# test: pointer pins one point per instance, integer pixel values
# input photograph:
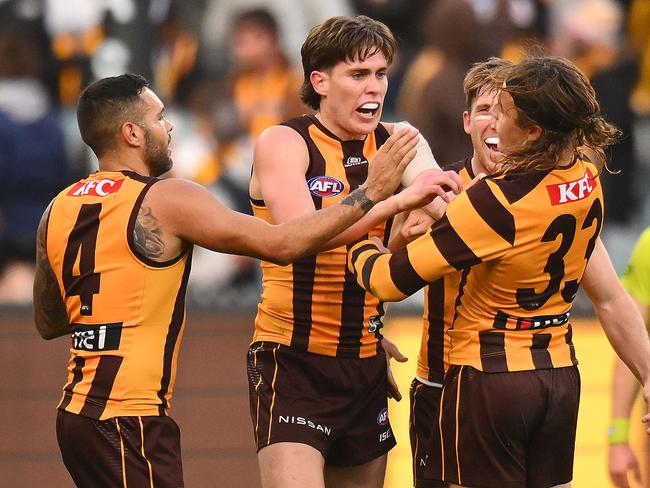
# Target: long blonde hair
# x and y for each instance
(552, 93)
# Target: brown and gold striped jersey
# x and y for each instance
(127, 312)
(525, 239)
(440, 302)
(315, 304)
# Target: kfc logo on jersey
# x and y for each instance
(325, 186)
(573, 190)
(97, 188)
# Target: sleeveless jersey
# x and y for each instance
(440, 302)
(636, 278)
(315, 304)
(524, 240)
(127, 312)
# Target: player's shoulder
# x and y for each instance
(280, 146)
(456, 166)
(279, 135)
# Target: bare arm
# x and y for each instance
(619, 316)
(50, 315)
(188, 212)
(280, 163)
(625, 387)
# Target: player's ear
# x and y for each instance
(132, 134)
(466, 122)
(534, 133)
(320, 82)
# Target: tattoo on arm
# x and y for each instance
(359, 195)
(147, 234)
(50, 314)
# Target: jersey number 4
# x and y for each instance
(82, 243)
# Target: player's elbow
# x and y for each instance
(45, 332)
(285, 254)
(386, 295)
(49, 328)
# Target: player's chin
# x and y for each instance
(366, 126)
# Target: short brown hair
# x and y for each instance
(105, 105)
(342, 39)
(480, 76)
(552, 93)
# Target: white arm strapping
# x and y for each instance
(422, 161)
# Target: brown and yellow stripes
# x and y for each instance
(478, 217)
(446, 442)
(172, 341)
(263, 410)
(315, 304)
(149, 451)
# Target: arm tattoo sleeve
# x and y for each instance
(359, 195)
(50, 315)
(147, 234)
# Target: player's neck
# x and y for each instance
(336, 128)
(567, 158)
(120, 161)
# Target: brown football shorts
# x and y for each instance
(425, 406)
(336, 405)
(506, 430)
(138, 452)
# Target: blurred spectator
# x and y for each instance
(260, 89)
(174, 61)
(515, 26)
(400, 16)
(639, 34)
(431, 96)
(32, 161)
(591, 35)
(294, 17)
(263, 84)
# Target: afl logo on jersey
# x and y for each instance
(325, 186)
(97, 188)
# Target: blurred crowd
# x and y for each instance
(228, 69)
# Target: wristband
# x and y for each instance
(618, 431)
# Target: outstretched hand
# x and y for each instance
(417, 223)
(428, 185)
(392, 352)
(388, 164)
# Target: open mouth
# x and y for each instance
(492, 143)
(368, 109)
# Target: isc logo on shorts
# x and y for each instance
(325, 186)
(97, 188)
(572, 191)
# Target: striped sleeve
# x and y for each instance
(478, 227)
(371, 270)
